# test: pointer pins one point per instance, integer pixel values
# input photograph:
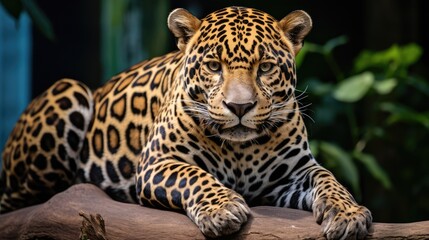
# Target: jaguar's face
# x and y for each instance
(241, 93)
(239, 72)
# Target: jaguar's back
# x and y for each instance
(124, 111)
(68, 135)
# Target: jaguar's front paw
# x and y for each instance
(224, 217)
(342, 220)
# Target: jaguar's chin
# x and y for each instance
(239, 133)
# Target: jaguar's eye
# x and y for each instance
(214, 66)
(265, 67)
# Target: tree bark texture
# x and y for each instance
(63, 216)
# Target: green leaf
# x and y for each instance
(374, 168)
(391, 58)
(39, 18)
(354, 88)
(333, 43)
(13, 7)
(342, 162)
(314, 147)
(299, 58)
(307, 48)
(385, 86)
(419, 83)
(399, 113)
(410, 54)
(316, 87)
(325, 49)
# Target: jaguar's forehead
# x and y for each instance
(238, 13)
(244, 34)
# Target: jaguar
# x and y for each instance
(208, 130)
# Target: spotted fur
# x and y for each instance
(208, 130)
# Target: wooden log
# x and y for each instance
(59, 219)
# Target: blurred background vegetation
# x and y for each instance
(363, 75)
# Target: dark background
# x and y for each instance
(368, 24)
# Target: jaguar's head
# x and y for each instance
(239, 68)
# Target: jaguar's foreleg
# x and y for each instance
(168, 183)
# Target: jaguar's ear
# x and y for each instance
(296, 25)
(183, 25)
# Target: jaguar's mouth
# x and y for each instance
(239, 133)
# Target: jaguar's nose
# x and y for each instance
(240, 109)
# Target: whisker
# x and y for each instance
(265, 129)
(223, 142)
(308, 116)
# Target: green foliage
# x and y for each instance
(399, 113)
(373, 167)
(340, 162)
(129, 33)
(364, 107)
(354, 88)
(39, 19)
(394, 60)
